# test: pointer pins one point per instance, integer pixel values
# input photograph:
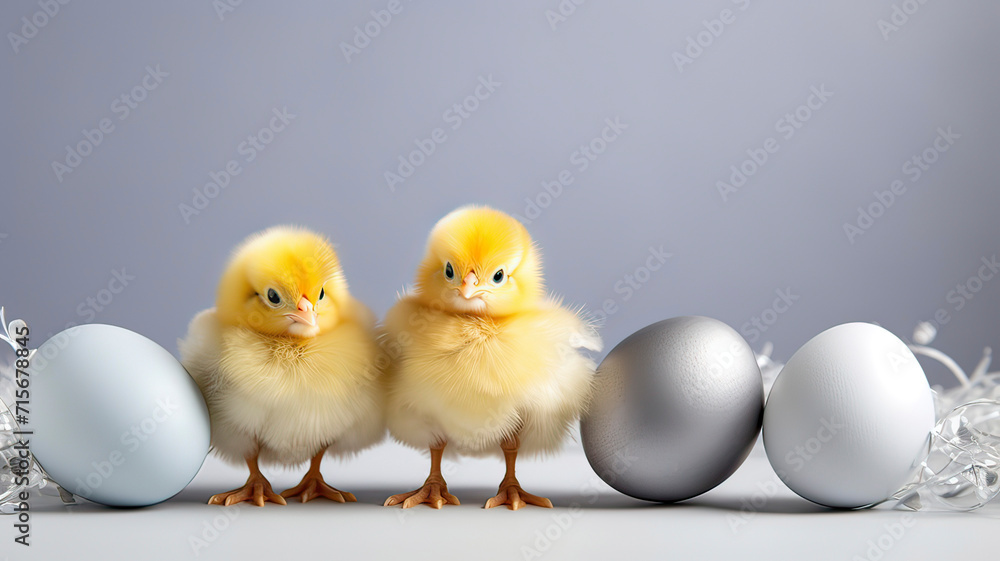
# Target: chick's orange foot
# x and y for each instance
(257, 491)
(313, 486)
(512, 495)
(434, 493)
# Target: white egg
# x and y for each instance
(848, 416)
(116, 418)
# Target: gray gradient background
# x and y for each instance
(653, 187)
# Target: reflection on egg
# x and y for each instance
(847, 416)
(677, 407)
(116, 418)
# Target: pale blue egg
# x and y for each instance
(116, 418)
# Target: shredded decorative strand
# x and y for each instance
(959, 470)
(12, 466)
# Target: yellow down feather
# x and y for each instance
(276, 387)
(469, 374)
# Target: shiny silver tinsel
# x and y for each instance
(12, 466)
(960, 467)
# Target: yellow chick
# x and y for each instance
(479, 358)
(286, 361)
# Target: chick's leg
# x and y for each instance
(312, 486)
(434, 491)
(510, 492)
(256, 490)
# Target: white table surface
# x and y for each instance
(589, 521)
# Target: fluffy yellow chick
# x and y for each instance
(286, 361)
(479, 358)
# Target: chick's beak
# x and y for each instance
(469, 284)
(304, 314)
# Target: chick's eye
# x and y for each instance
(449, 271)
(272, 296)
(322, 293)
(498, 276)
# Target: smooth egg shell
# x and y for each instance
(847, 416)
(116, 418)
(677, 407)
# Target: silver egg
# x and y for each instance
(677, 407)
